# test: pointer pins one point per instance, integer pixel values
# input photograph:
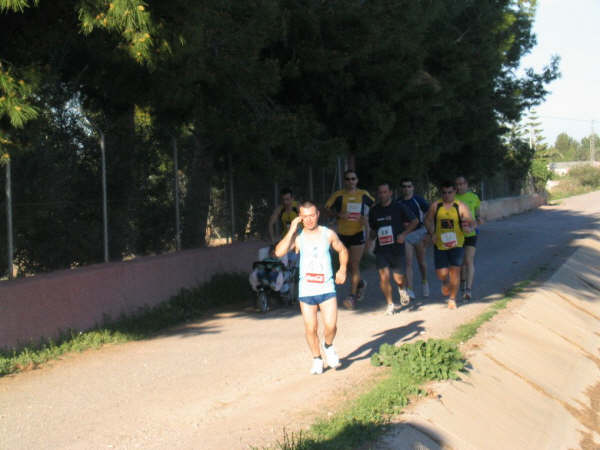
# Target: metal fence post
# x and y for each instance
(311, 190)
(9, 220)
(231, 196)
(339, 172)
(275, 203)
(104, 196)
(176, 188)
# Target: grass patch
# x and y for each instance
(189, 304)
(411, 366)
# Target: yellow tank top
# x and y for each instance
(447, 227)
(354, 205)
(286, 217)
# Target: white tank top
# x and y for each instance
(316, 273)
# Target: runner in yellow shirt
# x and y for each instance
(472, 201)
(446, 222)
(351, 208)
(287, 211)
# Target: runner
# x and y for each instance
(445, 222)
(316, 287)
(472, 201)
(416, 241)
(387, 220)
(284, 213)
(351, 207)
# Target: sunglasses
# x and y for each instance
(350, 179)
(406, 186)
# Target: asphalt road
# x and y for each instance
(237, 378)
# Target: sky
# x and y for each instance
(568, 29)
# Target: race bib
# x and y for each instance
(449, 239)
(353, 210)
(315, 272)
(315, 278)
(385, 235)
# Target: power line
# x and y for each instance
(567, 118)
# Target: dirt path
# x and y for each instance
(237, 379)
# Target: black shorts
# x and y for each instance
(389, 256)
(453, 257)
(350, 240)
(470, 241)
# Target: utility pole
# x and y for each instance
(592, 149)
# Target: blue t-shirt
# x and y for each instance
(419, 207)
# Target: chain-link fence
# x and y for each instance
(60, 224)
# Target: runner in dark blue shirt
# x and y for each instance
(390, 223)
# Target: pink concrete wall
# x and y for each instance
(507, 206)
(41, 306)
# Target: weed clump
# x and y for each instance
(433, 359)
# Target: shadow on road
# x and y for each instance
(391, 336)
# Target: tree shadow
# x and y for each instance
(402, 436)
(390, 336)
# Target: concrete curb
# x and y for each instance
(534, 384)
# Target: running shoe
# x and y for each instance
(331, 355)
(390, 310)
(350, 302)
(467, 295)
(361, 289)
(411, 294)
(451, 304)
(317, 366)
(404, 296)
(425, 286)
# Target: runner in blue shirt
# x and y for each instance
(416, 242)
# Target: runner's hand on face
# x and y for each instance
(295, 222)
(340, 277)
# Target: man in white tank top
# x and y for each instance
(317, 281)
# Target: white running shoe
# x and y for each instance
(404, 297)
(425, 289)
(411, 294)
(333, 360)
(317, 366)
(390, 310)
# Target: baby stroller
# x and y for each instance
(274, 278)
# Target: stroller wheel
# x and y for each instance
(262, 302)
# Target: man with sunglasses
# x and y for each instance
(447, 221)
(417, 239)
(351, 208)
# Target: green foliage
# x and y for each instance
(579, 180)
(272, 86)
(540, 173)
(433, 359)
(586, 176)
